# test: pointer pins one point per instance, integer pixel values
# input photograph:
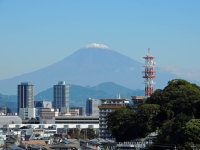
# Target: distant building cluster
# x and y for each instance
(28, 109)
(37, 121)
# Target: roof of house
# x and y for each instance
(35, 142)
(15, 148)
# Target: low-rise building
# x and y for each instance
(47, 115)
(27, 113)
(136, 101)
(41, 104)
(5, 120)
(78, 121)
(74, 111)
(3, 110)
(77, 111)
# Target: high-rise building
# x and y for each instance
(61, 97)
(108, 105)
(26, 100)
(92, 107)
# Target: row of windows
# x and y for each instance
(71, 122)
(77, 119)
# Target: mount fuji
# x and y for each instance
(88, 66)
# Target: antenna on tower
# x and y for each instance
(148, 54)
(118, 96)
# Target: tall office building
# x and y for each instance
(26, 100)
(92, 107)
(61, 97)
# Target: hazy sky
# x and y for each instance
(37, 33)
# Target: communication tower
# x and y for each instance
(149, 73)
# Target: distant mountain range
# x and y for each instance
(78, 94)
(88, 67)
(9, 100)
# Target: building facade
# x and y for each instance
(47, 115)
(3, 110)
(77, 111)
(108, 105)
(26, 100)
(42, 104)
(61, 97)
(5, 120)
(136, 101)
(78, 121)
(92, 107)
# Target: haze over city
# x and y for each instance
(107, 74)
(36, 34)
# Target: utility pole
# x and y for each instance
(193, 147)
(175, 147)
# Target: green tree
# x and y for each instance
(192, 133)
(179, 103)
(88, 133)
(119, 123)
(125, 124)
(170, 111)
(146, 119)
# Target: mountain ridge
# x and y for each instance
(79, 94)
(88, 67)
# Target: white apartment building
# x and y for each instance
(108, 105)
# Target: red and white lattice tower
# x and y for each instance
(149, 73)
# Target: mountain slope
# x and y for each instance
(88, 66)
(113, 89)
(9, 100)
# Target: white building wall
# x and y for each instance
(33, 126)
(27, 113)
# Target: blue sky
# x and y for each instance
(35, 33)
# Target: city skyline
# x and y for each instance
(36, 34)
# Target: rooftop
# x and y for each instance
(35, 142)
(110, 106)
(115, 99)
(10, 120)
